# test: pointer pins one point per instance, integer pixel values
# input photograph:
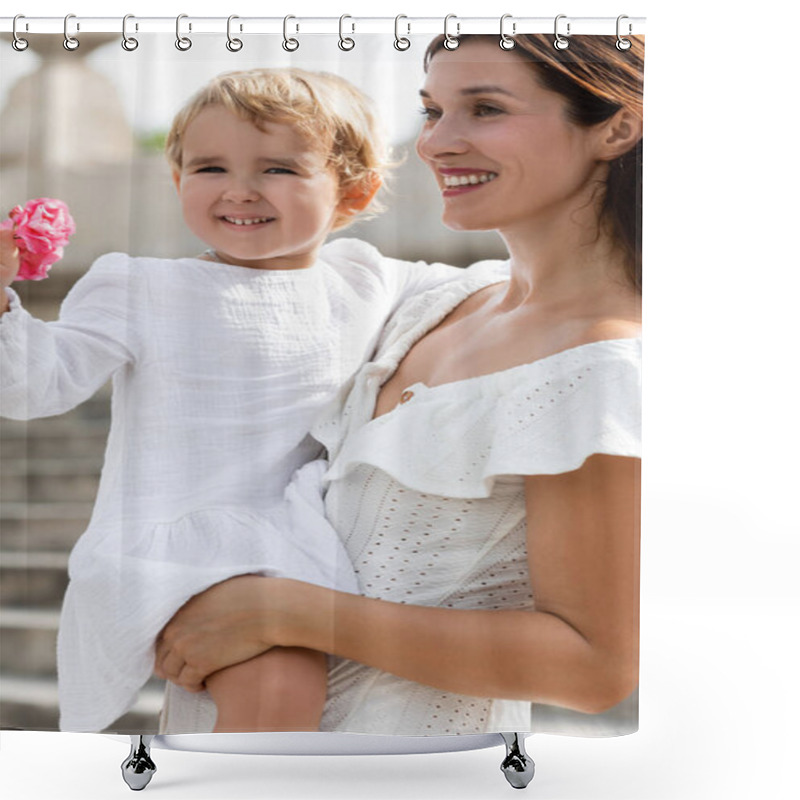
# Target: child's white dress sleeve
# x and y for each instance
(165, 525)
(47, 368)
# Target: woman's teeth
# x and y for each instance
(254, 221)
(465, 180)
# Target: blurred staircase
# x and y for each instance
(49, 471)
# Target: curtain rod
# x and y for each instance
(431, 26)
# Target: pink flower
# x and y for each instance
(41, 229)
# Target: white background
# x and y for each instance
(721, 607)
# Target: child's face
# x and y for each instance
(260, 199)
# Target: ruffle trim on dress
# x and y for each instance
(354, 404)
(542, 418)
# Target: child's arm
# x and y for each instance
(47, 368)
(416, 277)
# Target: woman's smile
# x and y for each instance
(487, 117)
(458, 181)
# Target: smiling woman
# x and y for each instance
(484, 467)
(544, 121)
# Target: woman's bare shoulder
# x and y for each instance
(615, 328)
(600, 329)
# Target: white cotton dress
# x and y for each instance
(218, 372)
(429, 502)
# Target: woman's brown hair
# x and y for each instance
(597, 80)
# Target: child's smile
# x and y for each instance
(264, 199)
(247, 221)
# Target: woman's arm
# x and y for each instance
(578, 649)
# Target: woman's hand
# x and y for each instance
(232, 622)
(9, 265)
(229, 623)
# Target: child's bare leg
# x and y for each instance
(283, 689)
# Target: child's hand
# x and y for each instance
(9, 258)
(9, 264)
(41, 230)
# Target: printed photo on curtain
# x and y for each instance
(320, 384)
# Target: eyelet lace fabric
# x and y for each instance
(429, 501)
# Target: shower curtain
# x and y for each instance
(87, 125)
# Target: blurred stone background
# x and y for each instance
(82, 127)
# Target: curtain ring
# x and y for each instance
(506, 42)
(623, 44)
(18, 43)
(345, 42)
(129, 43)
(70, 42)
(289, 44)
(182, 42)
(560, 43)
(450, 41)
(401, 42)
(234, 45)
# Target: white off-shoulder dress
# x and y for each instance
(218, 372)
(428, 500)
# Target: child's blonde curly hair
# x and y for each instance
(327, 111)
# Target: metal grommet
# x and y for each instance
(623, 44)
(290, 44)
(70, 42)
(450, 41)
(18, 43)
(560, 42)
(129, 43)
(345, 42)
(401, 42)
(506, 42)
(182, 42)
(234, 45)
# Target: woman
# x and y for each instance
(485, 467)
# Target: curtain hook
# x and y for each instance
(129, 43)
(506, 42)
(401, 42)
(289, 44)
(18, 43)
(70, 42)
(345, 42)
(560, 43)
(450, 41)
(623, 44)
(182, 42)
(234, 45)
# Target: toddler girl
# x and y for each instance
(219, 364)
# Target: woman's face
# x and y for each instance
(500, 145)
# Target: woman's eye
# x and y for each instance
(430, 113)
(486, 110)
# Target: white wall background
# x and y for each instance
(721, 607)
